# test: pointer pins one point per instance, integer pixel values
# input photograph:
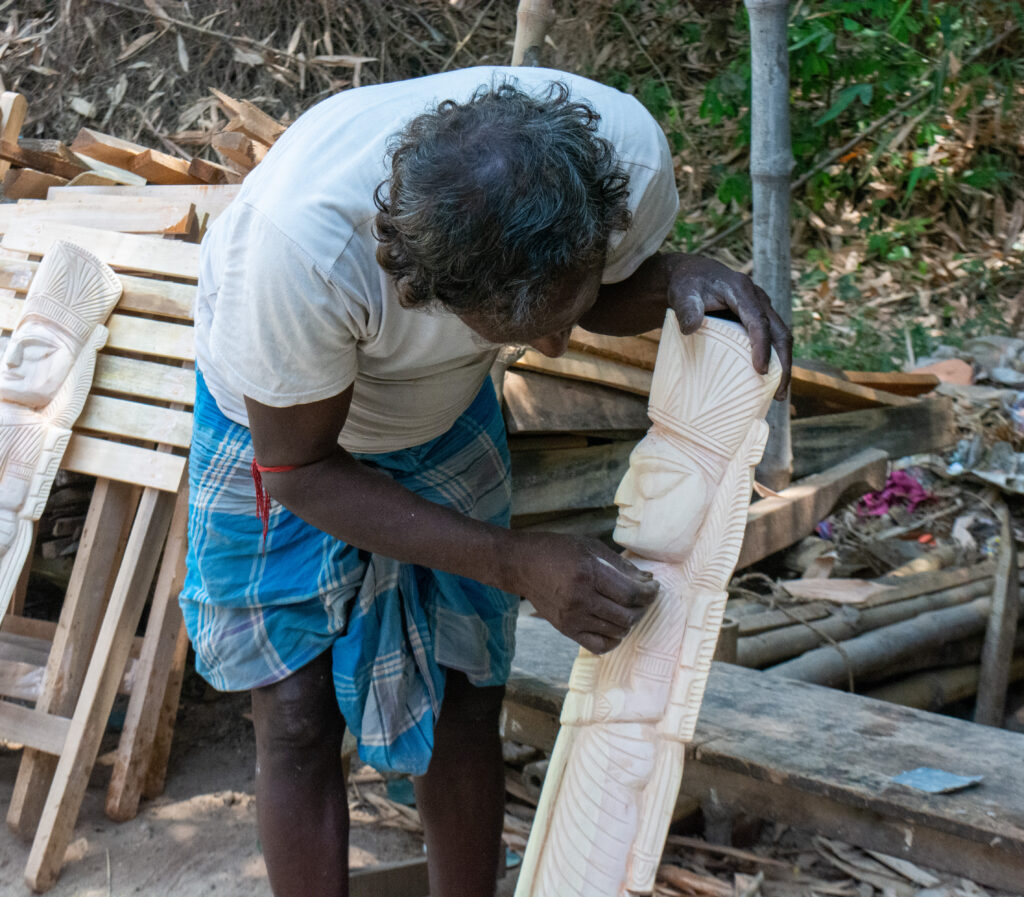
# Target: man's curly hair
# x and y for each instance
(491, 200)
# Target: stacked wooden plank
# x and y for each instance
(30, 167)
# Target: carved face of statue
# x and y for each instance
(662, 500)
(37, 360)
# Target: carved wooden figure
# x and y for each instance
(614, 775)
(45, 375)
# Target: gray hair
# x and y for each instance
(490, 201)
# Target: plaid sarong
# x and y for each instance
(257, 615)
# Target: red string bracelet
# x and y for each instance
(262, 495)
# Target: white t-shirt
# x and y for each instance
(292, 306)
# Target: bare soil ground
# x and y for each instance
(199, 837)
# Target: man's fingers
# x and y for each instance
(596, 644)
(626, 585)
(689, 308)
(615, 619)
(782, 340)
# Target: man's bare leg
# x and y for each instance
(461, 798)
(301, 797)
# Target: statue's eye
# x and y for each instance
(657, 482)
(37, 349)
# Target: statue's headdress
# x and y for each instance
(708, 397)
(72, 288)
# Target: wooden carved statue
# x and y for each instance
(614, 775)
(45, 375)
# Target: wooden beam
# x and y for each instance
(160, 168)
(777, 523)
(580, 366)
(125, 214)
(27, 183)
(897, 382)
(535, 403)
(212, 173)
(126, 463)
(250, 120)
(632, 350)
(26, 158)
(567, 479)
(13, 109)
(105, 148)
(925, 425)
(209, 199)
(1001, 631)
(840, 393)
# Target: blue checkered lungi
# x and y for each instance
(256, 615)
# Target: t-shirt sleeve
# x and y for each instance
(283, 332)
(654, 204)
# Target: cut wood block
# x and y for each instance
(632, 350)
(13, 110)
(105, 148)
(239, 149)
(212, 173)
(140, 294)
(27, 183)
(91, 179)
(44, 162)
(777, 523)
(123, 463)
(912, 384)
(924, 425)
(119, 417)
(108, 172)
(252, 121)
(579, 366)
(209, 199)
(841, 394)
(160, 168)
(126, 214)
(535, 403)
(145, 379)
(568, 479)
(53, 149)
(130, 252)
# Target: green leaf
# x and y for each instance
(846, 96)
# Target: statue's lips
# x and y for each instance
(626, 520)
(12, 375)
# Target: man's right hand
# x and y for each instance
(583, 588)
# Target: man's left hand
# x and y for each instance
(698, 285)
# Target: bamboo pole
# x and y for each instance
(533, 19)
(935, 689)
(837, 664)
(997, 653)
(771, 161)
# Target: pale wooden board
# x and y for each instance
(13, 108)
(119, 417)
(631, 350)
(126, 214)
(209, 199)
(105, 147)
(161, 168)
(537, 403)
(27, 183)
(839, 392)
(131, 252)
(580, 366)
(21, 725)
(124, 463)
(141, 294)
(145, 379)
(127, 333)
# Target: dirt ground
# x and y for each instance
(199, 837)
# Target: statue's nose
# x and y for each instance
(13, 355)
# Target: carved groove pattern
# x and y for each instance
(614, 775)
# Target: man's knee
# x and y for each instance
(298, 713)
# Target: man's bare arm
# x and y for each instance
(587, 591)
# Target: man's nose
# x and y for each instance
(552, 345)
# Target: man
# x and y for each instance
(351, 302)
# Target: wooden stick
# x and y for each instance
(533, 20)
(13, 110)
(997, 653)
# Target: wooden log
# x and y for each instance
(777, 523)
(781, 644)
(105, 148)
(935, 689)
(895, 382)
(997, 654)
(13, 109)
(926, 425)
(27, 183)
(44, 162)
(239, 149)
(160, 168)
(867, 653)
(535, 403)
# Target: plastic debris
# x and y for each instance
(935, 781)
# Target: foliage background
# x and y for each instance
(907, 121)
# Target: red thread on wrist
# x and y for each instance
(263, 496)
